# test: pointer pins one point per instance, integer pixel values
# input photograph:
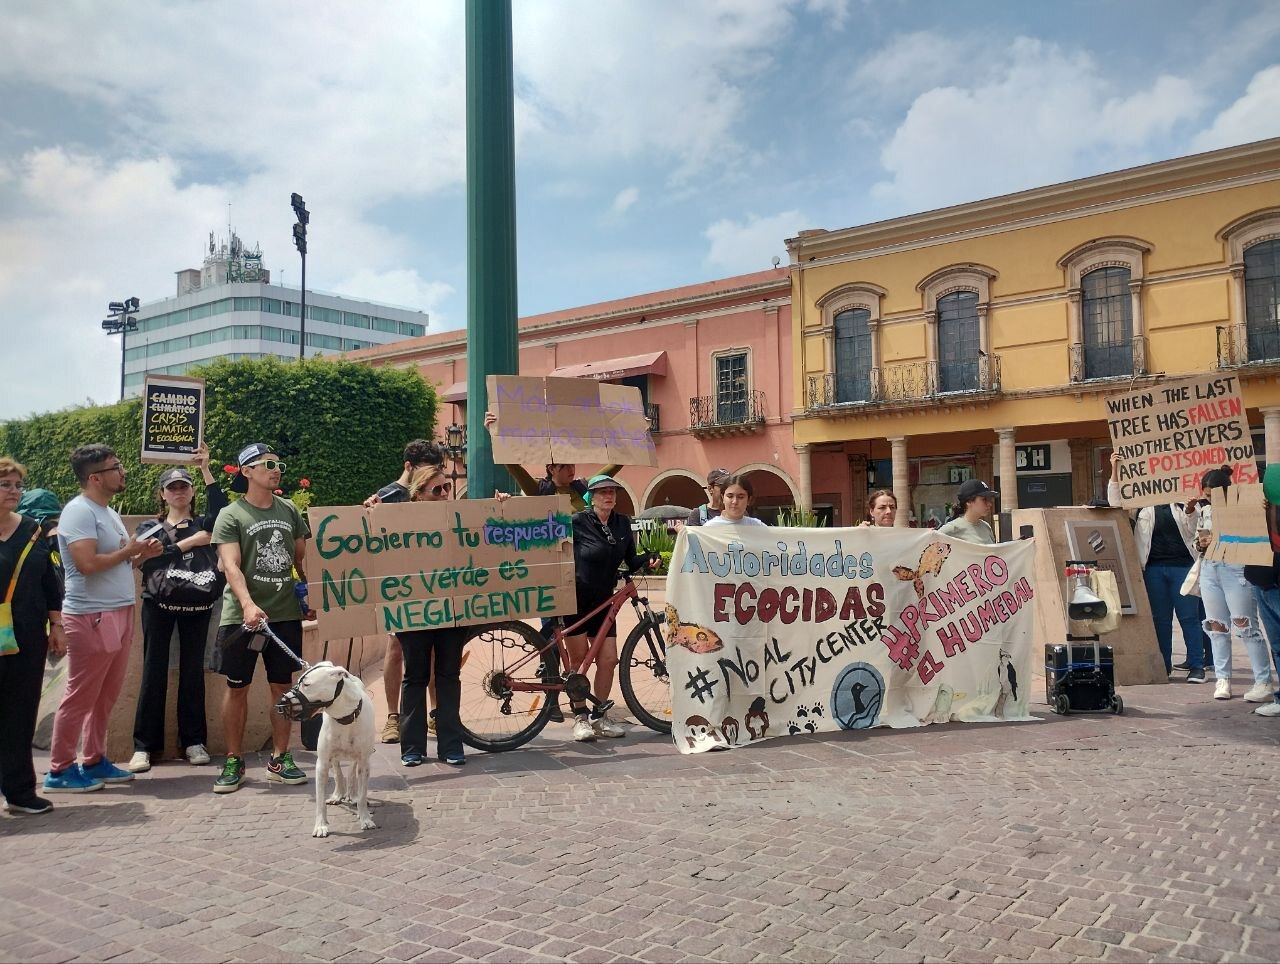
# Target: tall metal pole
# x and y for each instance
(123, 332)
(492, 346)
(302, 318)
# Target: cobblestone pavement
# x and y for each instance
(1147, 836)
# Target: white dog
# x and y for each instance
(346, 736)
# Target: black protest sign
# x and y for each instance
(172, 418)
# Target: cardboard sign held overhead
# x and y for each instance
(1168, 435)
(172, 418)
(1240, 526)
(430, 565)
(568, 420)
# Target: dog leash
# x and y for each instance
(265, 629)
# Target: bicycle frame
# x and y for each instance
(628, 593)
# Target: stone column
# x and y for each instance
(804, 471)
(1008, 462)
(1271, 432)
(1081, 481)
(901, 481)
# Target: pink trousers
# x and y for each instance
(97, 656)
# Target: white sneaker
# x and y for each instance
(140, 762)
(197, 755)
(605, 727)
(1259, 693)
(583, 731)
(1222, 689)
(1269, 709)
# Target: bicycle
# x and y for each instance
(508, 705)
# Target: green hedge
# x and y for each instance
(340, 425)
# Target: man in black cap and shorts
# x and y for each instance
(261, 538)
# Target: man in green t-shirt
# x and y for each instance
(261, 539)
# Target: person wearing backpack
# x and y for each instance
(717, 479)
(179, 589)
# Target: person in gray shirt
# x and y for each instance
(977, 502)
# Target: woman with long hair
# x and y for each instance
(181, 531)
(1229, 606)
(736, 496)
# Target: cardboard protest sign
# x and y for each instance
(1168, 435)
(428, 565)
(776, 632)
(1240, 526)
(172, 418)
(568, 420)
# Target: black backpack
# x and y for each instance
(184, 582)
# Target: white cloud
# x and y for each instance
(1254, 116)
(912, 63)
(740, 247)
(403, 288)
(1044, 115)
(623, 201)
(836, 12)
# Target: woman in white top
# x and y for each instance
(737, 495)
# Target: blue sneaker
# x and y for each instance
(70, 780)
(454, 760)
(107, 772)
(411, 758)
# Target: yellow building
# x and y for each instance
(982, 339)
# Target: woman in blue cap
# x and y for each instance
(602, 541)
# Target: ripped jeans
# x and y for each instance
(1229, 602)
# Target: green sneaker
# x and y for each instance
(282, 769)
(231, 777)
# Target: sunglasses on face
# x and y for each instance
(441, 489)
(269, 464)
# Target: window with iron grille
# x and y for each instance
(731, 388)
(958, 341)
(853, 355)
(1262, 299)
(1106, 319)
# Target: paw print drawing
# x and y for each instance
(805, 713)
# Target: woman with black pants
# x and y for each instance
(431, 650)
(36, 605)
(183, 531)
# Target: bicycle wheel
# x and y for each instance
(642, 667)
(494, 716)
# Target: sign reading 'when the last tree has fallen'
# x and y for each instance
(1168, 435)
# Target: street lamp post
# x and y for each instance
(456, 445)
(300, 242)
(121, 323)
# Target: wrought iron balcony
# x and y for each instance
(912, 381)
(651, 413)
(1123, 359)
(1237, 345)
(714, 415)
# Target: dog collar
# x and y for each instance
(352, 716)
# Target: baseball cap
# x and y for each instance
(718, 477)
(175, 475)
(974, 488)
(248, 455)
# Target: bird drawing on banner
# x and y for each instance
(930, 564)
(1008, 680)
(694, 638)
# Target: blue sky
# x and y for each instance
(658, 143)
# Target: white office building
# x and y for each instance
(229, 309)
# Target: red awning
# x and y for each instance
(612, 368)
(457, 392)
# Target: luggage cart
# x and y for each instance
(1080, 673)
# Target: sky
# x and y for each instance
(657, 143)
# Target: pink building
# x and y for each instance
(712, 361)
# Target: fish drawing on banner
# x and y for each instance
(930, 564)
(696, 639)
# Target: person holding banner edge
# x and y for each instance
(261, 540)
(1166, 540)
(882, 509)
(1229, 605)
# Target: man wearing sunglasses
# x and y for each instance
(98, 558)
(261, 539)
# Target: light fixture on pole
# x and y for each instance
(121, 322)
(456, 445)
(300, 242)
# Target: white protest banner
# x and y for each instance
(428, 565)
(568, 420)
(172, 418)
(776, 632)
(1168, 435)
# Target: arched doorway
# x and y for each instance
(773, 491)
(675, 487)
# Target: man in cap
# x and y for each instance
(716, 480)
(977, 502)
(261, 538)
